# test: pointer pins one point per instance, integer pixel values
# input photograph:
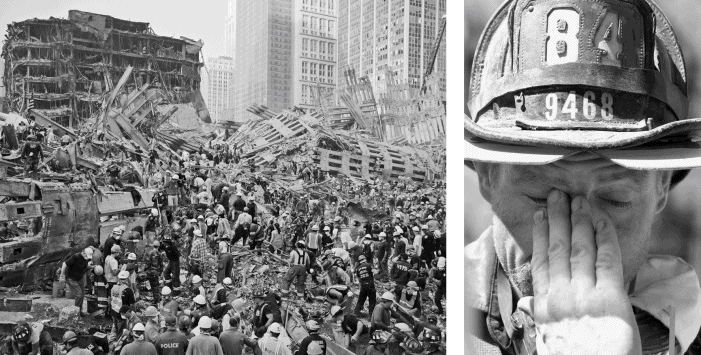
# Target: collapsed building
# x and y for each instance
(60, 68)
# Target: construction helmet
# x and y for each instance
(227, 282)
(238, 304)
(22, 332)
(98, 270)
(275, 328)
(388, 296)
(151, 311)
(402, 327)
(165, 291)
(196, 279)
(123, 275)
(199, 299)
(69, 338)
(315, 228)
(314, 349)
(312, 325)
(412, 346)
(131, 257)
(351, 244)
(549, 80)
(138, 327)
(205, 322)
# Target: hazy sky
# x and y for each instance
(167, 18)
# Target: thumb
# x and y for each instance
(525, 304)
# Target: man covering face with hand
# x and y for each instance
(578, 130)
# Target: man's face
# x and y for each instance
(631, 199)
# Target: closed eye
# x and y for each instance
(618, 204)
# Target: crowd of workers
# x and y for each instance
(373, 266)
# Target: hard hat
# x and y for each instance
(116, 229)
(175, 177)
(388, 296)
(351, 244)
(327, 228)
(275, 328)
(239, 194)
(560, 92)
(205, 322)
(123, 274)
(314, 349)
(154, 212)
(131, 256)
(440, 262)
(88, 252)
(430, 217)
(403, 327)
(315, 227)
(335, 310)
(301, 243)
(122, 228)
(200, 217)
(380, 337)
(398, 215)
(156, 244)
(227, 281)
(69, 337)
(197, 233)
(415, 229)
(199, 299)
(151, 311)
(139, 327)
(425, 226)
(22, 332)
(431, 334)
(328, 252)
(412, 346)
(196, 279)
(382, 235)
(225, 188)
(245, 209)
(165, 291)
(412, 284)
(312, 325)
(258, 293)
(98, 270)
(337, 219)
(396, 233)
(238, 304)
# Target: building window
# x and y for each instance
(322, 25)
(322, 70)
(305, 21)
(305, 44)
(330, 71)
(331, 4)
(313, 69)
(330, 28)
(331, 45)
(304, 67)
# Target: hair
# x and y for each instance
(234, 321)
(124, 309)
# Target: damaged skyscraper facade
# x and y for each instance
(62, 67)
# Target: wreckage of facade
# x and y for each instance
(60, 68)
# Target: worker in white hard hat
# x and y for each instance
(120, 295)
(383, 312)
(226, 261)
(196, 287)
(172, 189)
(313, 240)
(204, 342)
(313, 338)
(272, 345)
(153, 324)
(235, 310)
(220, 293)
(199, 309)
(299, 261)
(132, 267)
(168, 305)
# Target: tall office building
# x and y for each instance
(391, 41)
(315, 52)
(219, 93)
(263, 55)
(230, 29)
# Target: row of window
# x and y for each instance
(313, 48)
(318, 26)
(311, 68)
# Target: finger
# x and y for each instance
(560, 232)
(583, 245)
(539, 260)
(609, 264)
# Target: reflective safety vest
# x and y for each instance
(405, 303)
(302, 257)
(101, 292)
(116, 295)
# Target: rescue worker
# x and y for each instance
(378, 344)
(132, 268)
(239, 204)
(400, 333)
(73, 272)
(383, 254)
(70, 344)
(271, 345)
(172, 341)
(112, 240)
(299, 262)
(326, 241)
(263, 313)
(153, 325)
(32, 153)
(400, 271)
(201, 309)
(412, 346)
(366, 279)
(382, 314)
(430, 340)
(168, 304)
(340, 295)
(139, 345)
(233, 340)
(313, 240)
(204, 343)
(236, 310)
(99, 287)
(154, 268)
(198, 252)
(437, 275)
(334, 275)
(120, 295)
(31, 338)
(350, 324)
(313, 328)
(171, 274)
(410, 300)
(220, 292)
(196, 287)
(225, 263)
